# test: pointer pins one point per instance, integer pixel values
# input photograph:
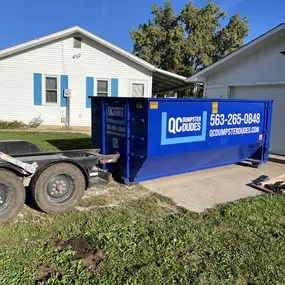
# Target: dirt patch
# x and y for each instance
(45, 271)
(112, 195)
(86, 209)
(82, 250)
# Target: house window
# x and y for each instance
(138, 90)
(51, 89)
(102, 88)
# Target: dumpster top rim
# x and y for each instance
(183, 99)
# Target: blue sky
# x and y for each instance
(23, 20)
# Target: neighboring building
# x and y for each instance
(34, 75)
(255, 71)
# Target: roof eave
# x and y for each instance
(196, 79)
(170, 74)
(37, 42)
(68, 32)
(76, 29)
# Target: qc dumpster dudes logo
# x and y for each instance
(184, 124)
(115, 112)
(116, 121)
(176, 130)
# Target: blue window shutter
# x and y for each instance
(114, 87)
(89, 90)
(37, 89)
(63, 85)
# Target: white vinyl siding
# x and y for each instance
(262, 67)
(58, 58)
(217, 92)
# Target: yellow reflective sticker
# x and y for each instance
(138, 105)
(153, 105)
(215, 107)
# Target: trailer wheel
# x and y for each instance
(58, 188)
(12, 195)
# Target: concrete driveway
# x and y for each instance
(204, 189)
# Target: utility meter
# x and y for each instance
(67, 93)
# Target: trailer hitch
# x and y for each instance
(29, 168)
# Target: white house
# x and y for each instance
(255, 71)
(34, 75)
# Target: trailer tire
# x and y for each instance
(58, 188)
(12, 195)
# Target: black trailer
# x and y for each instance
(56, 180)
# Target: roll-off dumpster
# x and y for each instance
(161, 136)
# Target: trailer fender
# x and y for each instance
(18, 171)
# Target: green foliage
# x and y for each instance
(11, 125)
(189, 41)
(34, 123)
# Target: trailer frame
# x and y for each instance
(28, 163)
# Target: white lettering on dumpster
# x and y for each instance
(184, 124)
(116, 112)
(235, 119)
(233, 131)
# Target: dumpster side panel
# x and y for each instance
(196, 126)
(159, 166)
(186, 136)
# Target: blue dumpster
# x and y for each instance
(163, 136)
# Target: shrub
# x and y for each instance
(11, 124)
(34, 123)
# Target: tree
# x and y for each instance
(187, 42)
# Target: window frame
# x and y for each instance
(108, 85)
(142, 84)
(45, 89)
(137, 81)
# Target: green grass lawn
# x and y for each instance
(127, 235)
(50, 141)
